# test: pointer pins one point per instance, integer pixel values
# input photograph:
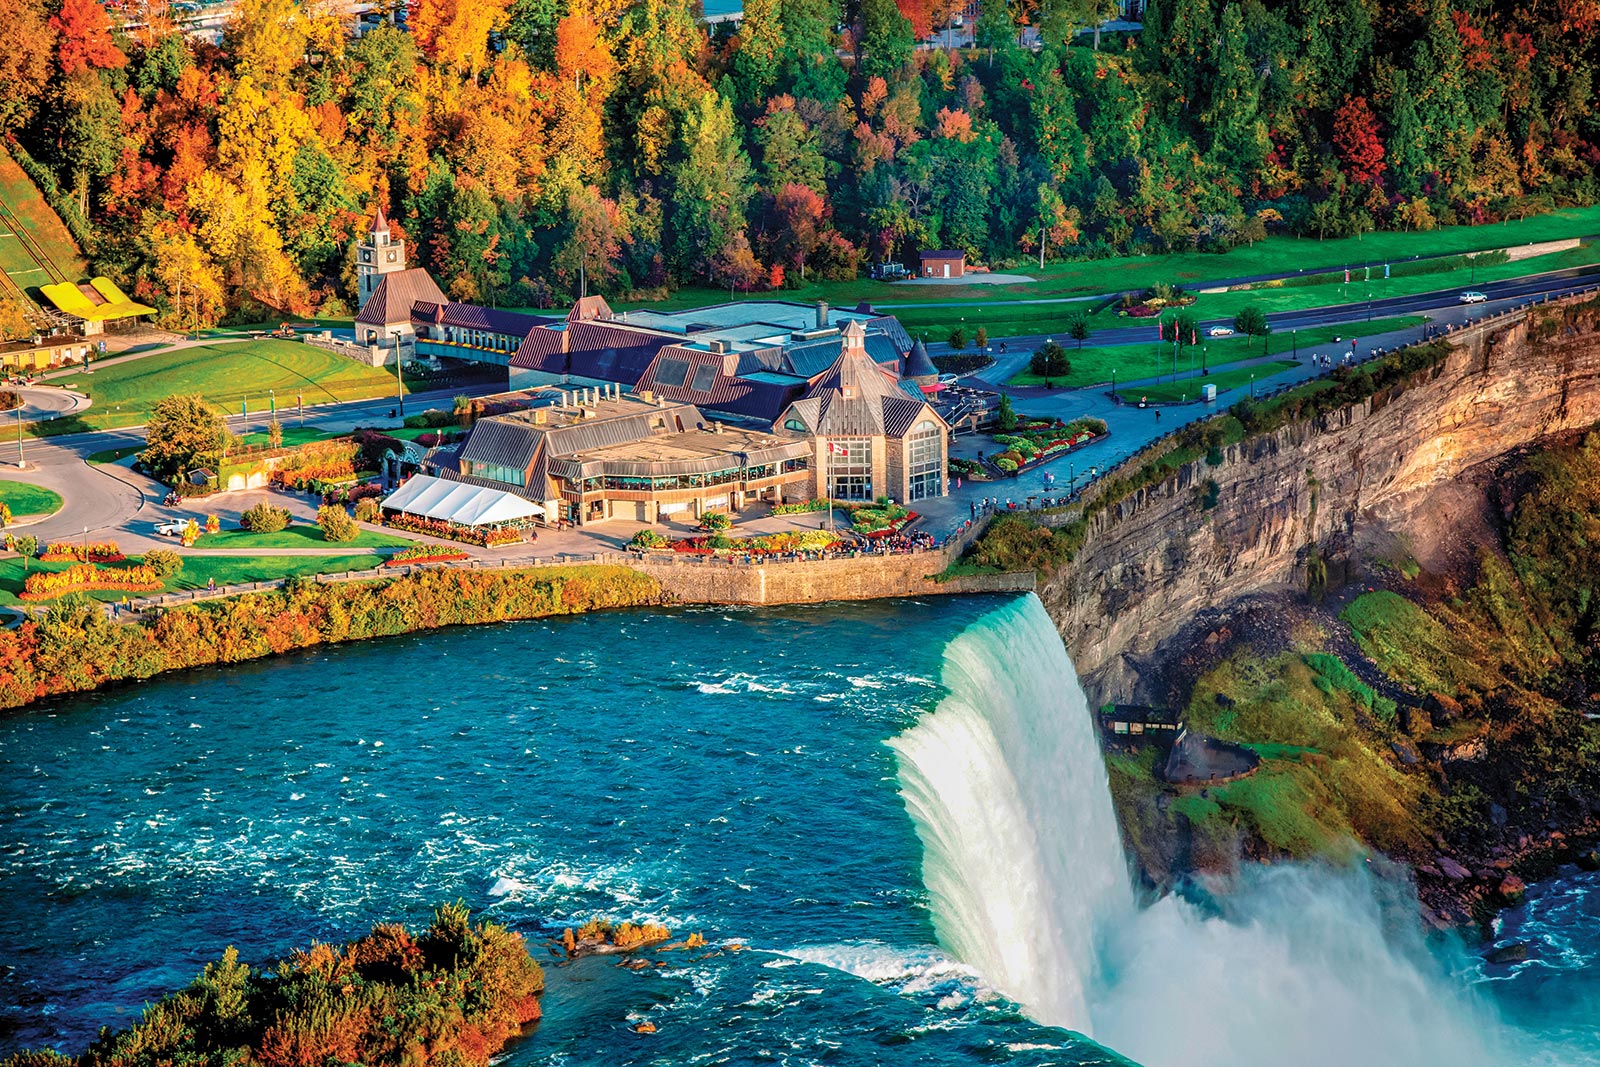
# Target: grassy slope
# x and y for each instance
(23, 199)
(1324, 782)
(226, 375)
(26, 499)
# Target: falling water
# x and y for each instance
(1028, 884)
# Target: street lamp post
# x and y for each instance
(1113, 383)
(21, 463)
(399, 382)
(1294, 339)
(1252, 386)
(86, 544)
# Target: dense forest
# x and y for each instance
(523, 145)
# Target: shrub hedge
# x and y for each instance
(82, 577)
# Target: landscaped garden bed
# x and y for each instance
(81, 552)
(785, 543)
(472, 535)
(1035, 441)
(425, 554)
(86, 577)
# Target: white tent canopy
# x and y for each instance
(458, 502)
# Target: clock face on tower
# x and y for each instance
(366, 257)
(391, 257)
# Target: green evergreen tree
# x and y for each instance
(886, 40)
(757, 63)
(532, 24)
(711, 184)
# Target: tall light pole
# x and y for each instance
(399, 382)
(21, 463)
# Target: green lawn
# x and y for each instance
(292, 435)
(302, 535)
(1354, 295)
(1094, 364)
(226, 375)
(111, 455)
(26, 499)
(993, 305)
(1188, 389)
(1003, 316)
(226, 570)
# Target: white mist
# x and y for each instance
(1028, 884)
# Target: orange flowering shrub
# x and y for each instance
(47, 585)
(77, 551)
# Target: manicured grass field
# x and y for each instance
(226, 570)
(292, 435)
(1094, 364)
(303, 535)
(1275, 255)
(27, 499)
(227, 375)
(1188, 389)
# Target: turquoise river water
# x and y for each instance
(891, 819)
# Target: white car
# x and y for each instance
(172, 527)
(1473, 297)
(1219, 331)
(949, 379)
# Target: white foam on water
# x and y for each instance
(1027, 883)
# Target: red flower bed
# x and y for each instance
(1142, 311)
(77, 552)
(424, 554)
(894, 527)
(86, 576)
(449, 530)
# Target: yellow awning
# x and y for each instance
(112, 303)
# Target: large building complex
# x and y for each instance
(648, 414)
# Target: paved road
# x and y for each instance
(105, 499)
(1442, 307)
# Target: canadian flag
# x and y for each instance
(837, 449)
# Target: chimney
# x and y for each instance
(716, 427)
(822, 314)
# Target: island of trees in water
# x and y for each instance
(530, 147)
(451, 996)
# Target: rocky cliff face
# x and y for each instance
(1153, 560)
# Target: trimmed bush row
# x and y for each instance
(75, 647)
(82, 577)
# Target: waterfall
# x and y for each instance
(1028, 885)
(1021, 855)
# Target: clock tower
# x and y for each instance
(378, 255)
